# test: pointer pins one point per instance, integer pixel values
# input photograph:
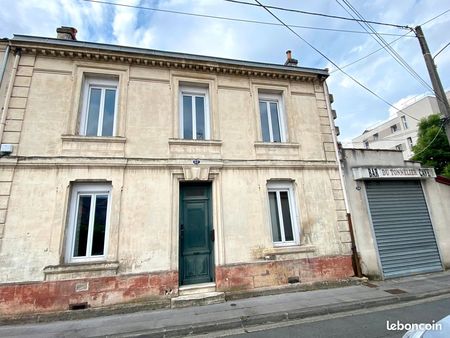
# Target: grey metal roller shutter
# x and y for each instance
(403, 229)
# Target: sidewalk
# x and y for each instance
(242, 313)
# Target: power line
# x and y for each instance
(370, 54)
(230, 18)
(429, 144)
(315, 13)
(442, 49)
(383, 43)
(333, 63)
(390, 43)
(435, 17)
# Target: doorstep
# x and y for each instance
(196, 299)
(185, 290)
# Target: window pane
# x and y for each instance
(264, 122)
(82, 226)
(275, 122)
(275, 221)
(93, 112)
(200, 117)
(286, 216)
(98, 238)
(187, 117)
(108, 114)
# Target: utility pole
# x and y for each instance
(441, 98)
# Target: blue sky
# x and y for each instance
(357, 109)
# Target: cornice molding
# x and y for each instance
(163, 62)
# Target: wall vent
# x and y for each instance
(78, 306)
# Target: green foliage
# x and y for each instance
(437, 154)
(446, 171)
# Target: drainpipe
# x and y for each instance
(355, 259)
(9, 92)
(5, 61)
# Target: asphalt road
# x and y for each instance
(370, 324)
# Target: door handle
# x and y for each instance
(212, 235)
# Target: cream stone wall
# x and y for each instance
(145, 162)
(143, 233)
(247, 232)
(149, 110)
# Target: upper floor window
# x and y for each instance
(393, 128)
(375, 137)
(282, 214)
(366, 144)
(194, 113)
(399, 147)
(405, 124)
(98, 117)
(88, 222)
(271, 114)
(410, 143)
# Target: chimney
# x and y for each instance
(66, 33)
(289, 60)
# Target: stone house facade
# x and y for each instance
(129, 174)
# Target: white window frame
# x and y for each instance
(195, 92)
(93, 190)
(278, 99)
(375, 137)
(278, 187)
(103, 84)
(366, 144)
(394, 128)
(404, 122)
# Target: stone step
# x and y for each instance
(196, 288)
(197, 299)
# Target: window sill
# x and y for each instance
(179, 141)
(279, 253)
(276, 145)
(105, 139)
(285, 250)
(80, 270)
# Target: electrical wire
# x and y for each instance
(230, 18)
(441, 50)
(431, 142)
(435, 17)
(371, 53)
(288, 26)
(390, 43)
(334, 64)
(316, 14)
(384, 44)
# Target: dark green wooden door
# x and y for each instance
(196, 234)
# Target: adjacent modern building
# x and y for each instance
(130, 175)
(400, 213)
(400, 132)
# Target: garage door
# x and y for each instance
(403, 229)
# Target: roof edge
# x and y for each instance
(100, 47)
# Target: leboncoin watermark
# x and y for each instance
(399, 326)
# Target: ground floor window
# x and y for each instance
(88, 222)
(283, 213)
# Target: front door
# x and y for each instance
(196, 234)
